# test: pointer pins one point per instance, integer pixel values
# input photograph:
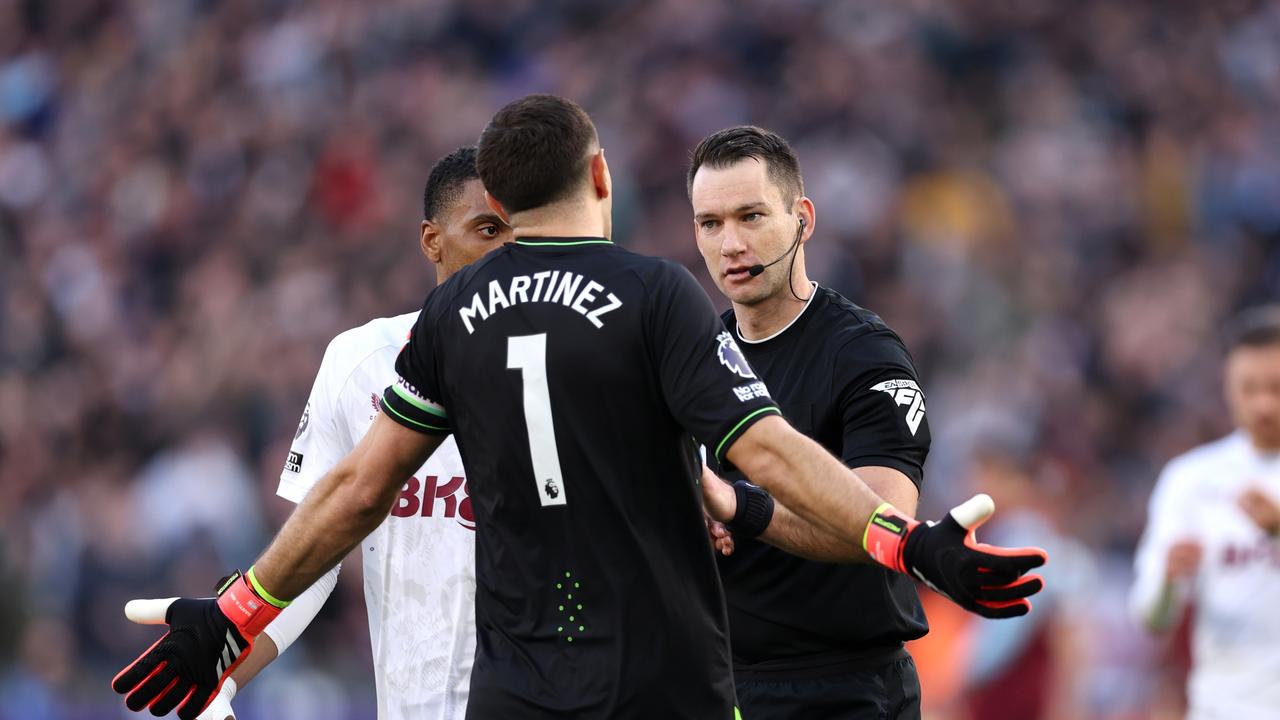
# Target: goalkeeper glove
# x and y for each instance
(207, 639)
(946, 556)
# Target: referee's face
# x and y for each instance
(740, 220)
(464, 232)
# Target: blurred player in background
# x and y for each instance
(573, 373)
(1213, 539)
(419, 565)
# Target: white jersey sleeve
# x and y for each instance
(324, 435)
(419, 564)
(1170, 519)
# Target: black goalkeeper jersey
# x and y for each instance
(573, 373)
(846, 380)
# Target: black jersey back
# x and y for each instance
(572, 373)
(846, 380)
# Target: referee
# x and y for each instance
(843, 378)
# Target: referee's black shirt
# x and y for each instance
(843, 378)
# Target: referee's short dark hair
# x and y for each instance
(535, 151)
(448, 175)
(1256, 327)
(726, 147)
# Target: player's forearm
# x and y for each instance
(803, 476)
(264, 653)
(788, 531)
(1164, 608)
(338, 512)
(792, 533)
(287, 628)
(346, 505)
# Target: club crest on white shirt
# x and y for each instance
(908, 393)
(304, 422)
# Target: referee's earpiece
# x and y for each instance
(801, 223)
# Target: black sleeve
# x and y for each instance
(707, 384)
(408, 401)
(882, 405)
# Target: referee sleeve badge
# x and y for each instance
(906, 393)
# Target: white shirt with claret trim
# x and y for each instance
(419, 564)
(1236, 590)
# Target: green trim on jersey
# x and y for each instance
(409, 398)
(402, 416)
(743, 421)
(561, 243)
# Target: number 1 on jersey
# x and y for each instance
(528, 354)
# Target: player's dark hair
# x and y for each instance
(448, 175)
(726, 147)
(1255, 327)
(535, 151)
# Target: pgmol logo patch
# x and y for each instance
(905, 393)
(731, 356)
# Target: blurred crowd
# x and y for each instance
(1055, 204)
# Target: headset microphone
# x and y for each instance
(757, 269)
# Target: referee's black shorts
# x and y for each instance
(886, 688)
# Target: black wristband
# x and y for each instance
(755, 510)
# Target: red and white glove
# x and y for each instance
(946, 556)
(207, 639)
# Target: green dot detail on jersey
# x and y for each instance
(573, 607)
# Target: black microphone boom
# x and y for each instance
(756, 269)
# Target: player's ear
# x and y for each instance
(600, 175)
(431, 241)
(496, 206)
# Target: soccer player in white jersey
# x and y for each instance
(1213, 539)
(419, 565)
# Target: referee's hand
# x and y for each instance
(984, 579)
